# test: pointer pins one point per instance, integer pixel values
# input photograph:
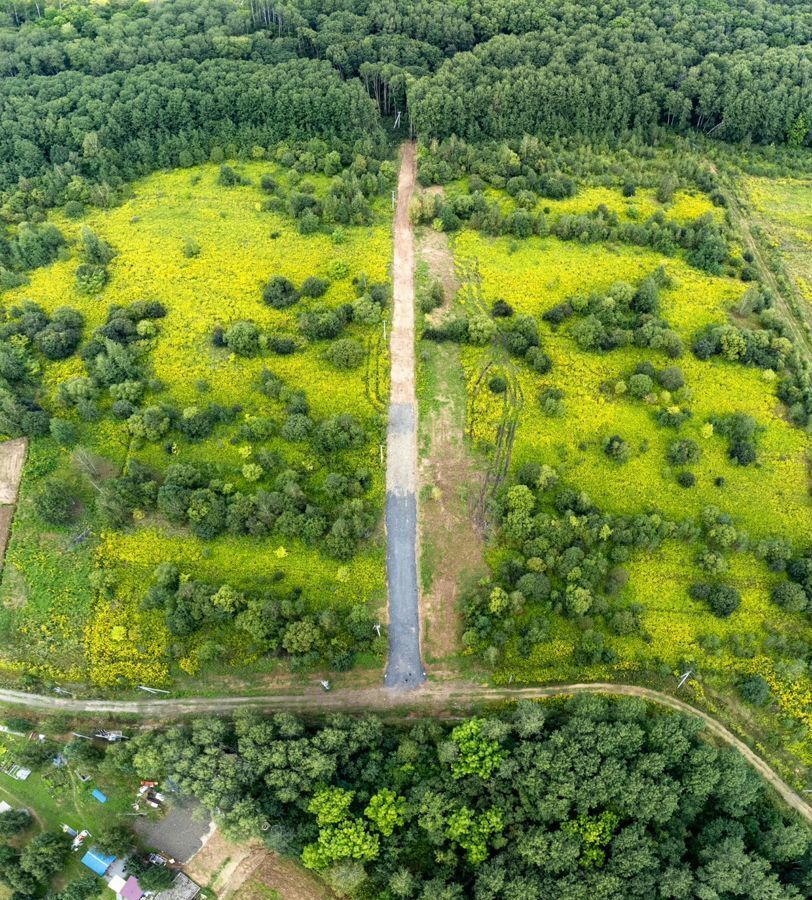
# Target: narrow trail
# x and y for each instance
(448, 696)
(404, 670)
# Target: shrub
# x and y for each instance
(74, 209)
(497, 384)
(671, 378)
(321, 324)
(54, 502)
(14, 821)
(686, 479)
(227, 177)
(345, 354)
(63, 432)
(617, 449)
(552, 402)
(790, 596)
(538, 360)
(755, 690)
(640, 385)
(501, 310)
(722, 599)
(242, 338)
(282, 344)
(314, 287)
(683, 452)
(280, 293)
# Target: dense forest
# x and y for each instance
(93, 95)
(586, 798)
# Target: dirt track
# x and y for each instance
(446, 695)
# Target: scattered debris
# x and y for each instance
(79, 839)
(183, 888)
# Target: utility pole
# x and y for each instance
(151, 690)
(684, 678)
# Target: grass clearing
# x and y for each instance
(782, 207)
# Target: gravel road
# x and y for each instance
(404, 669)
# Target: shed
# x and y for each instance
(131, 890)
(98, 795)
(97, 861)
(116, 884)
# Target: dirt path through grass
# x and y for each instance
(451, 538)
(797, 320)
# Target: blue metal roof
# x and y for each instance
(97, 861)
(98, 795)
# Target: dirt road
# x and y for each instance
(447, 696)
(404, 669)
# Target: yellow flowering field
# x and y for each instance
(768, 499)
(53, 621)
(642, 205)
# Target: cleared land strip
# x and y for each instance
(404, 669)
(434, 696)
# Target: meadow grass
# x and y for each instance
(783, 209)
(49, 607)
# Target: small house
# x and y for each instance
(97, 861)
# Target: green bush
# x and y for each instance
(54, 502)
(242, 338)
(346, 353)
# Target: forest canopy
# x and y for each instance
(102, 93)
(586, 798)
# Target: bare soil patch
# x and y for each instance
(250, 872)
(451, 542)
(435, 251)
(289, 880)
(450, 485)
(222, 866)
(12, 459)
